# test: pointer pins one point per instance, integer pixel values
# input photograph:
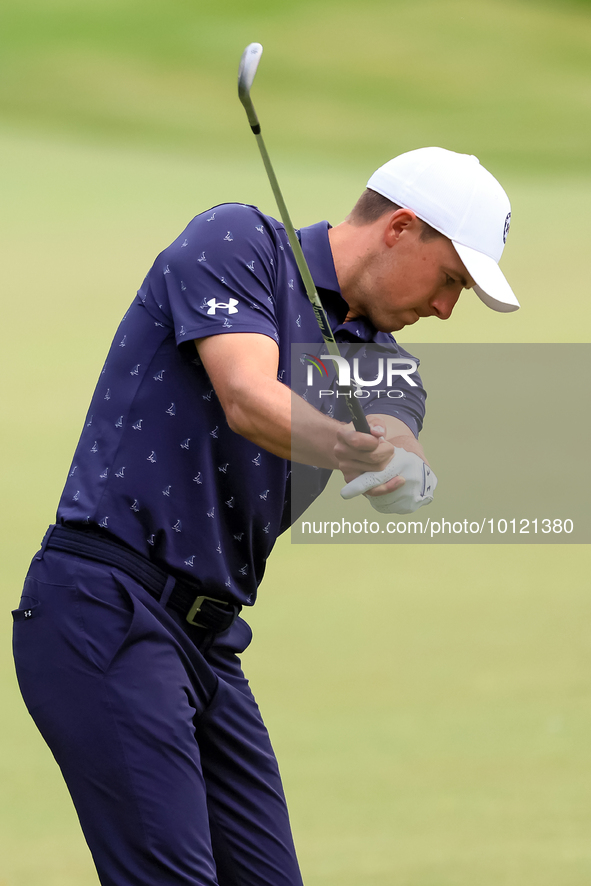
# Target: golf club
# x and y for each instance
(246, 74)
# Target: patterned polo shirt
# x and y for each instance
(157, 465)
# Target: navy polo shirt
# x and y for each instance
(157, 465)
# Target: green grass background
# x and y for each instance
(430, 707)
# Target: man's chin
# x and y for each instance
(400, 323)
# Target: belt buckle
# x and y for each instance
(196, 608)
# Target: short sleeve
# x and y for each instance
(219, 276)
(400, 391)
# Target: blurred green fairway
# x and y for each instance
(431, 707)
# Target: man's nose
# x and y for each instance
(443, 305)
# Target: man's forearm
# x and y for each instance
(243, 371)
(278, 420)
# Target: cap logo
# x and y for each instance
(507, 226)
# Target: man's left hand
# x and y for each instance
(389, 467)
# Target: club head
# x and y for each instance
(246, 74)
(248, 68)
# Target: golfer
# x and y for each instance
(128, 633)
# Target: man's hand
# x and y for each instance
(357, 453)
(409, 482)
(417, 490)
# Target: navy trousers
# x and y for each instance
(162, 746)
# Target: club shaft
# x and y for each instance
(357, 415)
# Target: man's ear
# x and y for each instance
(397, 223)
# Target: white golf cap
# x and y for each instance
(459, 198)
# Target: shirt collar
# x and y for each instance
(316, 248)
(318, 254)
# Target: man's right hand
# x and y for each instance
(358, 453)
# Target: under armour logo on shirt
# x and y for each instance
(229, 306)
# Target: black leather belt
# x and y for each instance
(186, 597)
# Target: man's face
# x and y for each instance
(408, 277)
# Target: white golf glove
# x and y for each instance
(418, 489)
